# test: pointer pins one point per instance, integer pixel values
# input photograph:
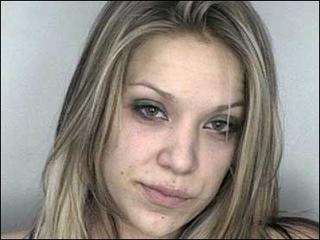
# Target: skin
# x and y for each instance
(179, 147)
(179, 152)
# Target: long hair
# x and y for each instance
(76, 197)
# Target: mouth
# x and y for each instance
(165, 197)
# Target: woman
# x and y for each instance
(169, 129)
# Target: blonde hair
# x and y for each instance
(76, 197)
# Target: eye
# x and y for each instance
(149, 111)
(221, 126)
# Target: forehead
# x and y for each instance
(188, 67)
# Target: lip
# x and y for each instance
(164, 196)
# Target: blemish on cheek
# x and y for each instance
(121, 172)
(162, 217)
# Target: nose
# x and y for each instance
(180, 154)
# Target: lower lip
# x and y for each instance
(158, 198)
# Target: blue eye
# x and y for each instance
(149, 112)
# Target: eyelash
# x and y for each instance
(234, 125)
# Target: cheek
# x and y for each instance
(138, 138)
(214, 166)
(219, 153)
(136, 146)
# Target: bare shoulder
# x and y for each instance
(15, 235)
(294, 227)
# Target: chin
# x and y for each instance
(154, 226)
(159, 232)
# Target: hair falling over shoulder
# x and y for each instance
(76, 202)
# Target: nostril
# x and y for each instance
(179, 162)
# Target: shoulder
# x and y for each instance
(293, 227)
(15, 235)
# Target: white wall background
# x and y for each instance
(41, 43)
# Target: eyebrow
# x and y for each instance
(164, 94)
(172, 98)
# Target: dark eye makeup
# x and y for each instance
(151, 110)
(220, 124)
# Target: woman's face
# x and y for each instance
(172, 153)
